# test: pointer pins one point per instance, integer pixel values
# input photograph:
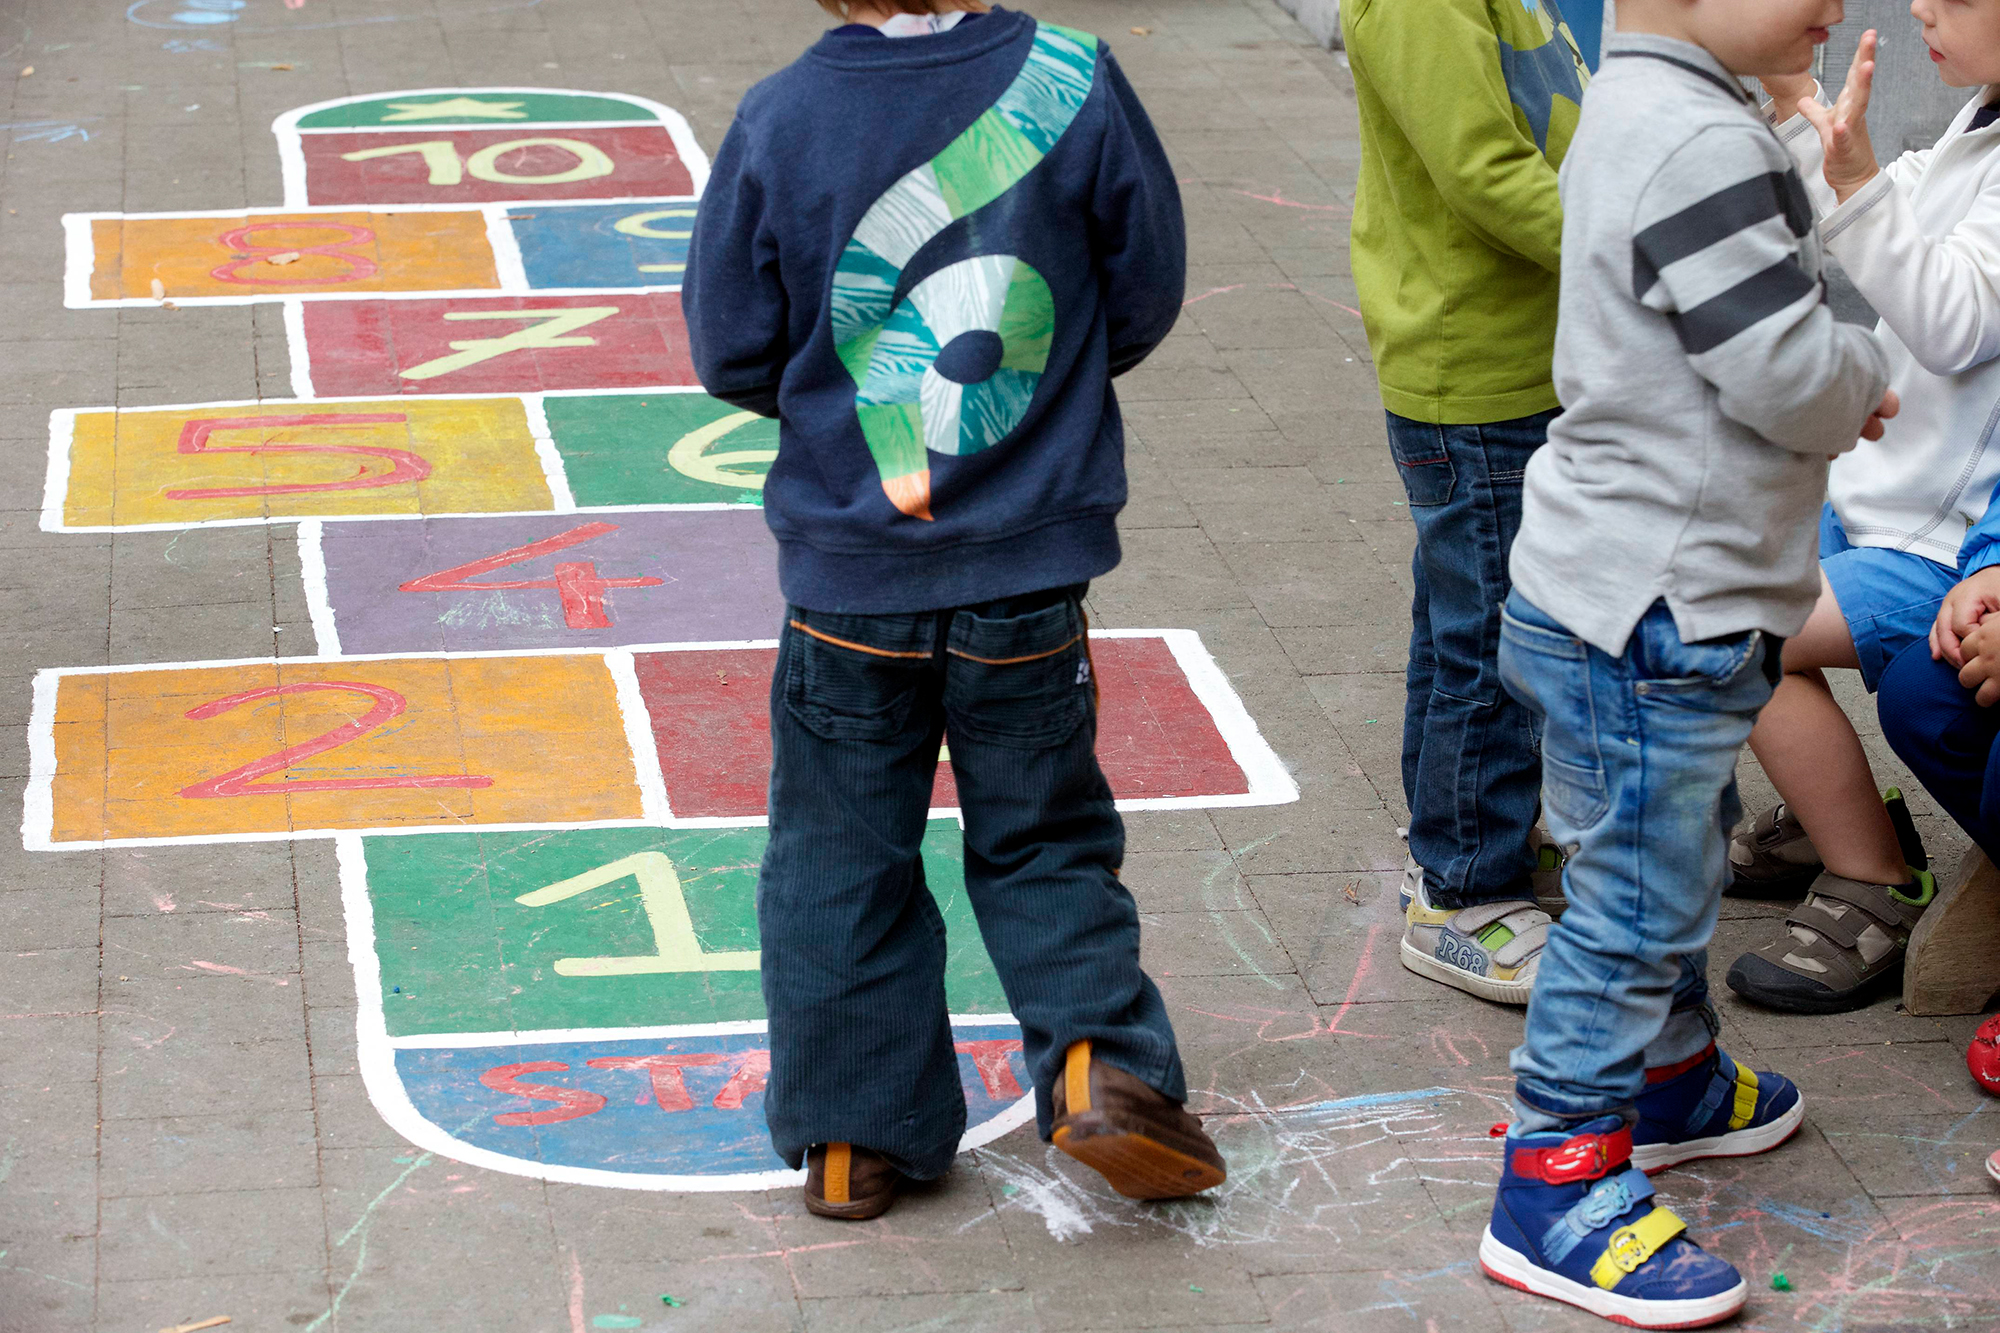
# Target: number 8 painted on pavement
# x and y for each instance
(905, 405)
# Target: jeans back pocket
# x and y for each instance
(855, 678)
(1423, 461)
(1023, 681)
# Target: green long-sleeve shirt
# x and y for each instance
(1467, 107)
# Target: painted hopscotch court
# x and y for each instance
(530, 545)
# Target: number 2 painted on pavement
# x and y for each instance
(576, 583)
(388, 706)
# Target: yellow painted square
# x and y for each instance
(181, 465)
(544, 733)
(232, 255)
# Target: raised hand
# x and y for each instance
(1843, 129)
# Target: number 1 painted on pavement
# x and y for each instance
(677, 947)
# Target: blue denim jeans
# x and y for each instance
(1951, 744)
(1470, 772)
(1639, 774)
(854, 947)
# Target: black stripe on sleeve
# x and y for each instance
(1717, 218)
(1720, 318)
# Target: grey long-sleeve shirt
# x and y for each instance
(1704, 381)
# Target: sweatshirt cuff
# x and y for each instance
(1793, 125)
(1985, 558)
(1834, 225)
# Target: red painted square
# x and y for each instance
(711, 724)
(480, 166)
(384, 347)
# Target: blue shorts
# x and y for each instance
(1890, 598)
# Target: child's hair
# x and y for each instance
(838, 8)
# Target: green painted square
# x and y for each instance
(470, 957)
(661, 448)
(496, 109)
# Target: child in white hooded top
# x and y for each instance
(1920, 239)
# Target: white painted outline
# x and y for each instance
(376, 1051)
(295, 350)
(291, 146)
(62, 440)
(319, 599)
(1269, 781)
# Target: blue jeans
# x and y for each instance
(854, 947)
(1951, 744)
(1470, 773)
(1639, 774)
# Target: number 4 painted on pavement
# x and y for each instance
(677, 947)
(577, 583)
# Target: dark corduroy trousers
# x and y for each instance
(854, 946)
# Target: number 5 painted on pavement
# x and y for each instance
(678, 948)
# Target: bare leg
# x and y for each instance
(1810, 752)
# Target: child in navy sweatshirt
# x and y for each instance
(926, 248)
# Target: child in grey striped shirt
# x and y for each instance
(1667, 547)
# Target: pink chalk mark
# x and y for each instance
(223, 969)
(1278, 197)
(576, 1324)
(1360, 975)
(1272, 287)
(163, 902)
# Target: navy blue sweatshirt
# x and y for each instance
(927, 257)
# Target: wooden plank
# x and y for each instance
(1954, 962)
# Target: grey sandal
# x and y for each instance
(1845, 942)
(1773, 858)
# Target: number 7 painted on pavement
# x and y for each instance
(678, 949)
(551, 330)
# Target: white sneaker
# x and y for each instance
(1491, 950)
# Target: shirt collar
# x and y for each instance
(1696, 60)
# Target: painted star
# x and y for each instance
(457, 108)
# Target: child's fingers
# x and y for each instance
(1937, 648)
(1864, 55)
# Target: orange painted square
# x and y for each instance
(545, 732)
(359, 251)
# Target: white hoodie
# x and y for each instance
(1922, 242)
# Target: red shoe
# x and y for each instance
(1983, 1058)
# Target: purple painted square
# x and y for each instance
(687, 576)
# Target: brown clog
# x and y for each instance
(849, 1183)
(1139, 1139)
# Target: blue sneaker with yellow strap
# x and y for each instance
(1710, 1106)
(1575, 1221)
